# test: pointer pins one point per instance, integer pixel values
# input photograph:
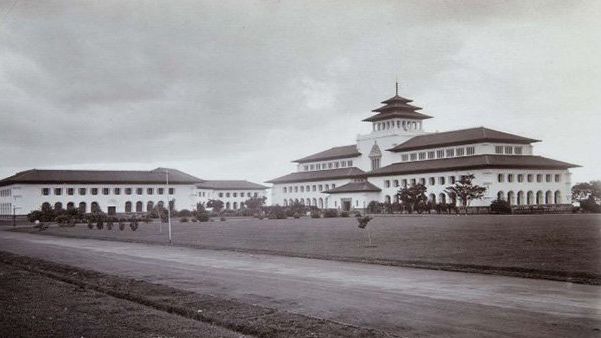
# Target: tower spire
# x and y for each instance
(396, 92)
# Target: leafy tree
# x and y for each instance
(585, 190)
(255, 203)
(363, 225)
(217, 205)
(466, 190)
(413, 196)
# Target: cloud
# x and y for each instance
(231, 89)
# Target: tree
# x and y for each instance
(217, 205)
(413, 196)
(585, 190)
(255, 203)
(363, 225)
(466, 190)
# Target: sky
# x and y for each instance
(239, 89)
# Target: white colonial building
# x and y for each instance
(117, 192)
(399, 152)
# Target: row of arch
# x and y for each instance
(442, 198)
(406, 125)
(234, 205)
(315, 202)
(530, 198)
(95, 206)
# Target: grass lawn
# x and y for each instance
(559, 244)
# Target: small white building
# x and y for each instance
(399, 152)
(116, 191)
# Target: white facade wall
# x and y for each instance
(234, 199)
(29, 197)
(278, 194)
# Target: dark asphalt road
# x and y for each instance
(409, 302)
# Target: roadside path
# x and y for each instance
(408, 301)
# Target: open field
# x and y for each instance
(565, 247)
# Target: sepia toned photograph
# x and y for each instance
(280, 168)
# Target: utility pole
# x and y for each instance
(168, 205)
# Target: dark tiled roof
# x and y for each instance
(156, 176)
(332, 154)
(230, 185)
(457, 137)
(386, 116)
(319, 175)
(397, 106)
(354, 187)
(472, 162)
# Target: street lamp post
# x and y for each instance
(168, 205)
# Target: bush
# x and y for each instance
(62, 219)
(100, 225)
(184, 219)
(222, 219)
(90, 225)
(344, 214)
(357, 213)
(184, 213)
(315, 214)
(363, 221)
(121, 226)
(275, 212)
(194, 220)
(589, 205)
(330, 213)
(202, 217)
(500, 207)
(375, 207)
(133, 225)
(296, 215)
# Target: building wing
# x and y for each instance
(458, 137)
(363, 186)
(319, 175)
(332, 154)
(230, 185)
(472, 162)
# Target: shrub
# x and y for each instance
(275, 212)
(330, 213)
(344, 214)
(500, 207)
(363, 221)
(202, 217)
(222, 219)
(133, 225)
(109, 225)
(315, 214)
(121, 226)
(296, 215)
(194, 220)
(90, 225)
(184, 213)
(100, 225)
(184, 219)
(589, 205)
(62, 219)
(357, 213)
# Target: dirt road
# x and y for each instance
(405, 301)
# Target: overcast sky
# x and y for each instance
(238, 89)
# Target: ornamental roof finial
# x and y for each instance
(396, 92)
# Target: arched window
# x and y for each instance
(46, 206)
(82, 207)
(433, 198)
(453, 198)
(314, 202)
(557, 197)
(149, 206)
(511, 198)
(302, 201)
(530, 198)
(285, 202)
(128, 206)
(520, 198)
(320, 203)
(442, 198)
(235, 205)
(227, 205)
(290, 202)
(549, 197)
(58, 206)
(539, 197)
(387, 199)
(308, 202)
(70, 206)
(501, 195)
(161, 204)
(139, 206)
(95, 207)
